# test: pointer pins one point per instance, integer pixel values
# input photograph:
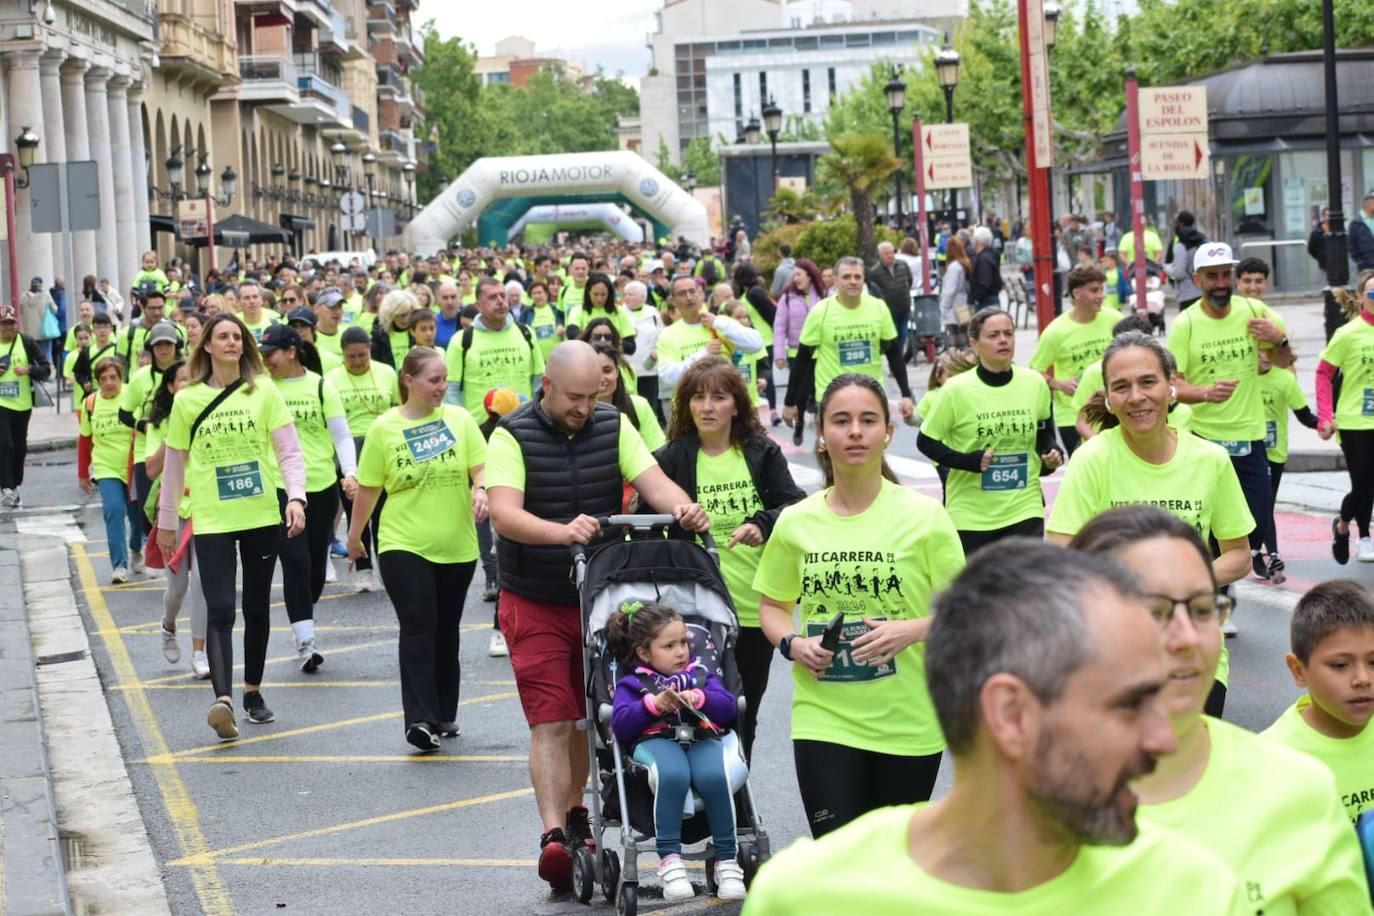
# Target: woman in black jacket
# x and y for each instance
(718, 452)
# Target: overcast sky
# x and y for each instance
(596, 33)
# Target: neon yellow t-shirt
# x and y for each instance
(16, 391)
(927, 403)
(748, 366)
(227, 470)
(400, 344)
(1350, 760)
(849, 339)
(137, 398)
(622, 319)
(544, 326)
(266, 319)
(424, 467)
(1281, 394)
(649, 429)
(680, 340)
(1209, 350)
(329, 343)
(506, 463)
(884, 563)
(866, 867)
(496, 359)
(1274, 816)
(1069, 346)
(972, 415)
(367, 396)
(725, 490)
(110, 439)
(329, 361)
(313, 402)
(1352, 351)
(156, 436)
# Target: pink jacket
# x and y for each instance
(787, 324)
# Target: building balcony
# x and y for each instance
(361, 122)
(293, 89)
(341, 39)
(317, 91)
(191, 51)
(408, 46)
(381, 18)
(267, 78)
(394, 147)
(318, 12)
(265, 13)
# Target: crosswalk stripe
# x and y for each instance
(58, 524)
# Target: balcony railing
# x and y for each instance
(267, 68)
(389, 76)
(393, 140)
(361, 122)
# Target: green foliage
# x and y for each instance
(701, 159)
(452, 90)
(766, 254)
(828, 241)
(787, 206)
(861, 162)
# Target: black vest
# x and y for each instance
(564, 478)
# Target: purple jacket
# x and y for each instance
(632, 720)
(787, 325)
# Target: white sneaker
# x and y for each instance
(310, 657)
(496, 646)
(329, 574)
(200, 664)
(6, 498)
(170, 650)
(362, 580)
(136, 561)
(729, 880)
(673, 875)
(1364, 550)
(119, 576)
(1229, 628)
(18, 502)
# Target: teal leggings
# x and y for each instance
(672, 771)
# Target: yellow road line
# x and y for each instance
(283, 659)
(222, 747)
(209, 857)
(181, 810)
(153, 628)
(334, 863)
(267, 685)
(346, 758)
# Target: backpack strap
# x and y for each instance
(220, 398)
(467, 345)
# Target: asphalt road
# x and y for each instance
(326, 809)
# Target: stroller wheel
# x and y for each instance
(711, 885)
(610, 874)
(583, 875)
(750, 858)
(627, 904)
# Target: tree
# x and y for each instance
(787, 206)
(701, 159)
(453, 92)
(861, 162)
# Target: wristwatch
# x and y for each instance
(785, 646)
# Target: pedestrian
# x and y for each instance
(697, 333)
(1265, 789)
(40, 314)
(615, 392)
(848, 332)
(598, 301)
(994, 429)
(664, 678)
(330, 465)
(648, 326)
(545, 318)
(163, 345)
(721, 456)
(1216, 347)
(102, 464)
(101, 344)
(985, 277)
(954, 301)
(390, 335)
(803, 290)
(1316, 241)
(782, 274)
(224, 424)
(1059, 712)
(864, 555)
(181, 575)
(429, 457)
(1071, 342)
(1187, 240)
(1351, 419)
(891, 280)
(748, 289)
(254, 312)
(1090, 383)
(1361, 234)
(496, 351)
(367, 390)
(536, 453)
(20, 367)
(1281, 394)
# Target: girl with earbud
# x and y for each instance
(1140, 458)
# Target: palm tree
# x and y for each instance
(861, 162)
(787, 206)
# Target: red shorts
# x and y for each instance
(545, 643)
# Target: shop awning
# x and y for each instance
(293, 223)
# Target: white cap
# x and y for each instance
(1213, 254)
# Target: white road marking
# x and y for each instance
(59, 524)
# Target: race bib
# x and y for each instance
(1271, 433)
(1367, 403)
(429, 440)
(1007, 472)
(747, 371)
(855, 352)
(9, 389)
(1235, 449)
(239, 481)
(843, 669)
(544, 332)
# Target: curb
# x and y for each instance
(51, 445)
(1315, 460)
(34, 879)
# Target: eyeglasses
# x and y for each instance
(609, 337)
(1201, 609)
(289, 299)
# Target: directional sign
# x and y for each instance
(945, 161)
(1041, 127)
(352, 202)
(1173, 132)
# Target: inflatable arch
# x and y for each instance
(610, 216)
(616, 175)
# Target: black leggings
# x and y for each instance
(369, 536)
(303, 556)
(1275, 475)
(1071, 439)
(14, 446)
(1358, 447)
(216, 562)
(1029, 528)
(142, 487)
(428, 598)
(753, 657)
(839, 783)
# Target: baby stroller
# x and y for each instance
(680, 573)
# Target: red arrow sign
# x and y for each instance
(1197, 154)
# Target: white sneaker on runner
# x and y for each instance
(496, 646)
(673, 874)
(1364, 550)
(136, 561)
(329, 574)
(200, 664)
(7, 498)
(362, 580)
(119, 576)
(310, 657)
(170, 650)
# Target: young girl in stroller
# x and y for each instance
(672, 711)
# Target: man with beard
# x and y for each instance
(1217, 349)
(1046, 672)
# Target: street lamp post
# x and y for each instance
(338, 155)
(947, 71)
(370, 173)
(408, 170)
(772, 122)
(895, 90)
(1337, 270)
(27, 145)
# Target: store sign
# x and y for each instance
(193, 222)
(1173, 133)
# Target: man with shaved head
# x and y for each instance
(554, 466)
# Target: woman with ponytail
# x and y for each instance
(863, 556)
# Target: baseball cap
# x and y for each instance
(163, 332)
(187, 304)
(304, 315)
(330, 297)
(655, 265)
(279, 337)
(8, 313)
(501, 401)
(1213, 254)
